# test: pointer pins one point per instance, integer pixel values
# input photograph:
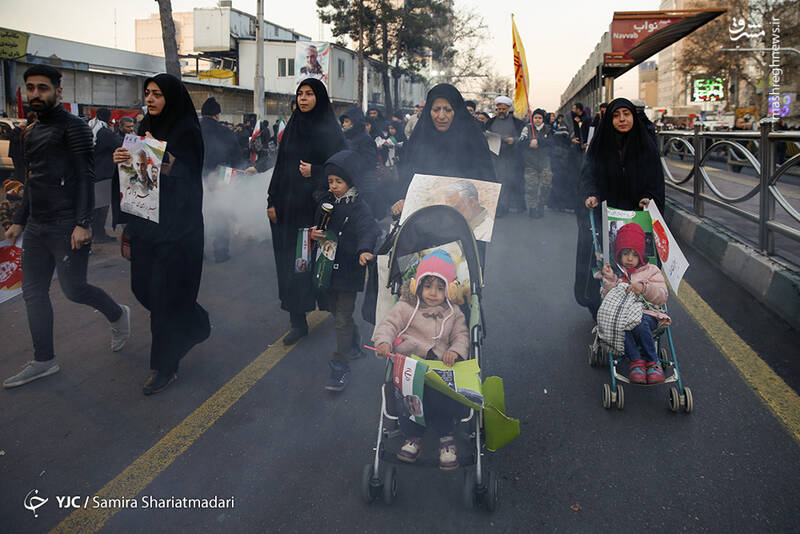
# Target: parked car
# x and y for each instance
(6, 127)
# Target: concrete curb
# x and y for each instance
(775, 284)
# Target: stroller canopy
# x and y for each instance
(434, 226)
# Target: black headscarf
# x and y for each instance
(177, 123)
(461, 151)
(311, 136)
(623, 168)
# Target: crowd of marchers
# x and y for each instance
(358, 167)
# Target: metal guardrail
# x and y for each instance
(699, 144)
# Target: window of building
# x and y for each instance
(285, 67)
(341, 68)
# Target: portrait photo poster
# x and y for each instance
(312, 60)
(659, 242)
(476, 200)
(139, 178)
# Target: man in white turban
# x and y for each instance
(509, 164)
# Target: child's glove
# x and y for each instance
(382, 350)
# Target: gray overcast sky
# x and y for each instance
(558, 36)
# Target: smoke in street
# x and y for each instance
(239, 207)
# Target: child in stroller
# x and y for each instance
(425, 322)
(645, 279)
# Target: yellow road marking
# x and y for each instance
(781, 399)
(137, 476)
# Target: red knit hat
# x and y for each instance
(630, 236)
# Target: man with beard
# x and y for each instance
(126, 126)
(56, 216)
(508, 165)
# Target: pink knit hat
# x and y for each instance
(439, 264)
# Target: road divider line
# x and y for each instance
(138, 475)
(779, 397)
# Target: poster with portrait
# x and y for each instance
(408, 381)
(312, 59)
(10, 269)
(660, 245)
(476, 200)
(139, 178)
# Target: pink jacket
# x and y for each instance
(418, 338)
(655, 289)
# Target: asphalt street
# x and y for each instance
(291, 454)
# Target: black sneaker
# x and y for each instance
(158, 382)
(340, 372)
(294, 335)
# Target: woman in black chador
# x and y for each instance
(312, 135)
(167, 257)
(447, 141)
(622, 167)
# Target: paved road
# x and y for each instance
(291, 454)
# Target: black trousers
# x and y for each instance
(46, 246)
(165, 277)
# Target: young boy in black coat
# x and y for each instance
(357, 233)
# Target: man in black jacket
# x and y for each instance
(105, 144)
(56, 215)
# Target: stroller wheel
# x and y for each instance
(620, 397)
(368, 484)
(606, 396)
(468, 497)
(492, 491)
(674, 400)
(592, 357)
(389, 484)
(665, 360)
(689, 406)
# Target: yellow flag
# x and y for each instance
(520, 74)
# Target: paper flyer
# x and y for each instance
(673, 262)
(324, 259)
(10, 269)
(408, 378)
(494, 140)
(461, 382)
(302, 261)
(139, 178)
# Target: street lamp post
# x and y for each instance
(258, 83)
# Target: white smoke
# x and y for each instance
(240, 207)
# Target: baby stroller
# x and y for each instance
(429, 227)
(680, 396)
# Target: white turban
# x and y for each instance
(503, 99)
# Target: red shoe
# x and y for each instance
(637, 374)
(655, 375)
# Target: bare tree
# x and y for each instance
(168, 36)
(747, 72)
